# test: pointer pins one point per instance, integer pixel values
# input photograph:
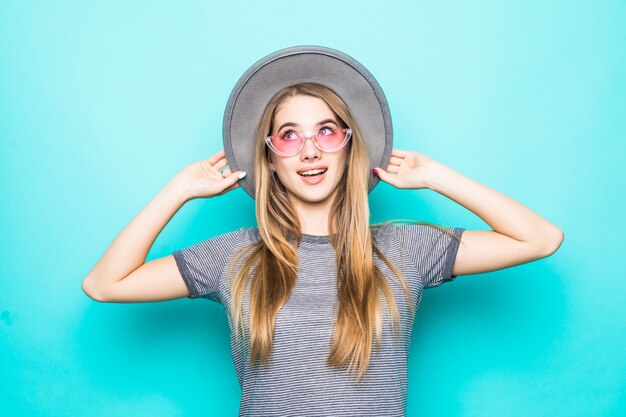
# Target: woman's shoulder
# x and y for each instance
(384, 229)
(243, 235)
(252, 234)
(411, 229)
(240, 237)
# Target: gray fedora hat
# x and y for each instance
(341, 73)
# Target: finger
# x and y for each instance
(399, 152)
(220, 164)
(230, 182)
(216, 157)
(232, 178)
(386, 176)
(395, 160)
(393, 168)
(226, 172)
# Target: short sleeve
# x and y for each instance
(432, 251)
(202, 265)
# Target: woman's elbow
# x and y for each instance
(555, 242)
(91, 291)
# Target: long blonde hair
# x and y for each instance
(271, 265)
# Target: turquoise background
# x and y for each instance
(101, 103)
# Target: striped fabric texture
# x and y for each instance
(297, 381)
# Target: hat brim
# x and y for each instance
(341, 73)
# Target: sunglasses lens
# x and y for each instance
(330, 139)
(286, 144)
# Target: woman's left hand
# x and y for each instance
(406, 169)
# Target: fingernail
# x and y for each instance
(375, 172)
(243, 174)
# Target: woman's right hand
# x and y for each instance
(203, 179)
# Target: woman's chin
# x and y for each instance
(313, 196)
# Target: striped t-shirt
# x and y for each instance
(297, 381)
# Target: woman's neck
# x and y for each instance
(313, 216)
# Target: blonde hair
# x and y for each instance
(270, 267)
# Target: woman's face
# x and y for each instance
(305, 114)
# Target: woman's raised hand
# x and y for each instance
(406, 169)
(204, 179)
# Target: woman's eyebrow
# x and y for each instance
(292, 124)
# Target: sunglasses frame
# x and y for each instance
(303, 138)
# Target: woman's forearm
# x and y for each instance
(502, 213)
(130, 248)
(206, 178)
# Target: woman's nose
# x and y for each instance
(310, 150)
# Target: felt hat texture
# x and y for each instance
(350, 80)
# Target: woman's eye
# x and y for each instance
(289, 135)
(326, 130)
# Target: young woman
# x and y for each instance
(320, 303)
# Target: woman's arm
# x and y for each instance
(121, 275)
(519, 234)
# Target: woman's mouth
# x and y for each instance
(313, 176)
